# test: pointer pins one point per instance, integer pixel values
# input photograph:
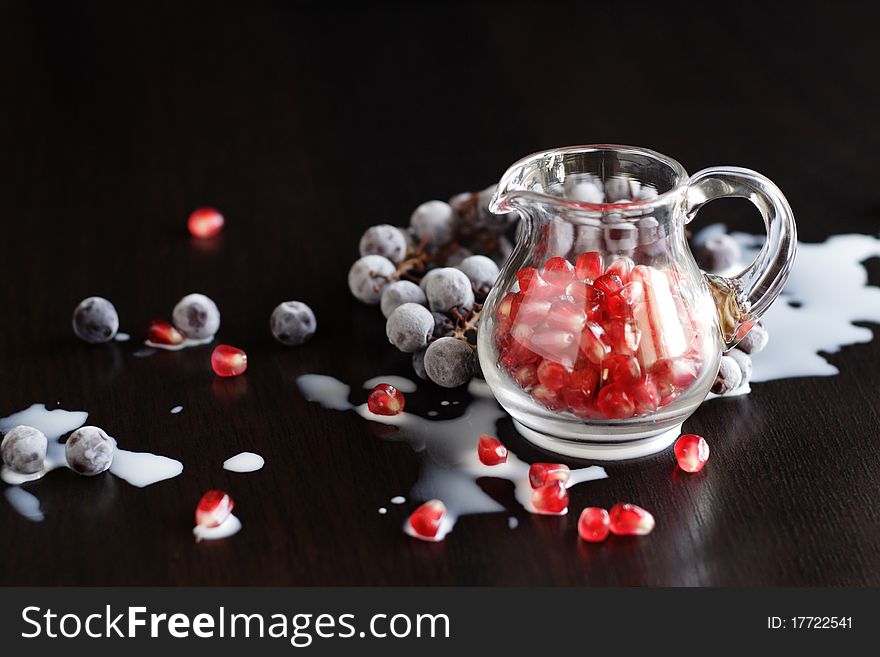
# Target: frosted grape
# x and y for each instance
(292, 323)
(95, 320)
(368, 276)
(449, 288)
(398, 293)
(384, 240)
(449, 362)
(409, 326)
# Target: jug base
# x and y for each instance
(601, 451)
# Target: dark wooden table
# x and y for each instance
(305, 126)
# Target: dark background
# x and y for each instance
(306, 124)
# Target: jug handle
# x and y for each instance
(742, 299)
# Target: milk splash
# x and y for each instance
(137, 468)
(451, 466)
(827, 290)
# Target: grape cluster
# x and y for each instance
(431, 278)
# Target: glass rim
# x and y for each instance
(501, 202)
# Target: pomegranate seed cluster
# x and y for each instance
(600, 342)
(430, 279)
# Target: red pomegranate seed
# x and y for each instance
(608, 284)
(518, 354)
(566, 315)
(558, 271)
(594, 524)
(585, 379)
(672, 374)
(622, 302)
(553, 375)
(551, 498)
(614, 402)
(623, 335)
(162, 332)
(508, 307)
(630, 520)
(592, 343)
(555, 344)
(205, 223)
(621, 267)
(491, 451)
(589, 266)
(644, 395)
(385, 399)
(525, 375)
(621, 368)
(541, 474)
(214, 507)
(228, 361)
(426, 520)
(579, 402)
(586, 297)
(543, 395)
(532, 311)
(530, 278)
(692, 452)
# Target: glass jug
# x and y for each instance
(601, 335)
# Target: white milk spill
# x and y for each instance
(244, 462)
(143, 468)
(401, 383)
(186, 344)
(25, 503)
(137, 468)
(451, 467)
(176, 410)
(122, 337)
(227, 528)
(398, 499)
(829, 285)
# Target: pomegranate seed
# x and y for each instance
(594, 524)
(557, 345)
(553, 375)
(205, 223)
(162, 332)
(228, 361)
(532, 311)
(589, 266)
(543, 395)
(645, 397)
(623, 335)
(585, 297)
(630, 520)
(608, 284)
(621, 368)
(579, 402)
(622, 302)
(426, 520)
(385, 399)
(585, 379)
(566, 315)
(551, 498)
(621, 267)
(541, 474)
(672, 374)
(214, 507)
(614, 402)
(592, 343)
(518, 354)
(528, 278)
(508, 307)
(491, 451)
(525, 375)
(558, 271)
(692, 452)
